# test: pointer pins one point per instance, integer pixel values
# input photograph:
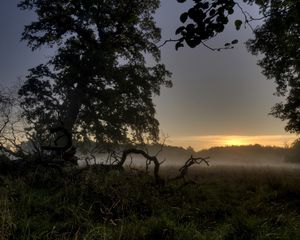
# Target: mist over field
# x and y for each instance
(252, 156)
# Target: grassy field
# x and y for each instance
(213, 203)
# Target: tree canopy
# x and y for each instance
(98, 83)
(278, 42)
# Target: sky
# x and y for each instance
(217, 98)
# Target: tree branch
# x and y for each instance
(145, 155)
(183, 171)
(167, 41)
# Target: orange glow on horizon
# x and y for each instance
(208, 141)
(235, 142)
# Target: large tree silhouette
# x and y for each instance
(98, 83)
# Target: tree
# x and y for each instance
(277, 40)
(98, 83)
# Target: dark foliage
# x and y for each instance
(278, 41)
(98, 83)
(204, 21)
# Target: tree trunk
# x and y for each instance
(73, 107)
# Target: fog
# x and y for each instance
(253, 156)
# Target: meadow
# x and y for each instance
(218, 202)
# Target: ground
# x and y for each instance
(212, 203)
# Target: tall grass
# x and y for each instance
(212, 203)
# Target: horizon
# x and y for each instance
(199, 143)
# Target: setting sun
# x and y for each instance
(235, 142)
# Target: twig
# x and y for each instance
(215, 49)
(247, 21)
(167, 41)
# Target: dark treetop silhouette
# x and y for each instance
(97, 84)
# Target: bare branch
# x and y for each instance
(215, 49)
(145, 155)
(247, 20)
(202, 42)
(183, 171)
(167, 41)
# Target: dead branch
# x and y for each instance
(183, 171)
(148, 157)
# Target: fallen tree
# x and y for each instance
(61, 152)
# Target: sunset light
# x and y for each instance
(235, 142)
(208, 141)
